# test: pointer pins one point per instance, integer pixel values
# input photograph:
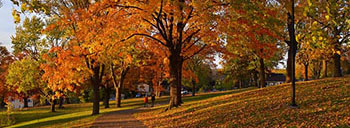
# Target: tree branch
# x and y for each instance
(140, 34)
(202, 48)
(194, 42)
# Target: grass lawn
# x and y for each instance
(322, 103)
(79, 115)
(73, 115)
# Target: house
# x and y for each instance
(18, 103)
(275, 79)
(142, 87)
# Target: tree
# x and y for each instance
(24, 77)
(253, 26)
(59, 60)
(183, 31)
(28, 37)
(196, 69)
(332, 17)
(184, 28)
(5, 60)
(285, 7)
(124, 61)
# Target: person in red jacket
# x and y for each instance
(146, 100)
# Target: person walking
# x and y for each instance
(153, 99)
(146, 100)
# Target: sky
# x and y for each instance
(7, 26)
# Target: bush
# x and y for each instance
(201, 90)
(6, 118)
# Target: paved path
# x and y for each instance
(118, 119)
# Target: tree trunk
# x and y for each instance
(175, 75)
(256, 82)
(118, 96)
(96, 98)
(193, 88)
(53, 103)
(337, 67)
(2, 102)
(25, 102)
(96, 80)
(289, 65)
(179, 87)
(106, 93)
(120, 87)
(306, 71)
(67, 100)
(240, 84)
(262, 73)
(324, 69)
(60, 103)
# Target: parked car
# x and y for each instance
(183, 92)
(138, 95)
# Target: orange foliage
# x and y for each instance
(64, 69)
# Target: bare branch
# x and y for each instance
(202, 48)
(140, 34)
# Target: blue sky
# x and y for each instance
(7, 27)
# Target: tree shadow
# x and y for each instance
(48, 123)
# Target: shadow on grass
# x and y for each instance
(199, 97)
(211, 95)
(48, 123)
(21, 117)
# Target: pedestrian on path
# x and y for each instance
(146, 100)
(153, 99)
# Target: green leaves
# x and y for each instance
(29, 36)
(24, 75)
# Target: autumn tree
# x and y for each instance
(24, 77)
(28, 37)
(332, 17)
(63, 10)
(254, 26)
(183, 27)
(120, 64)
(5, 59)
(197, 73)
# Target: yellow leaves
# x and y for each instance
(91, 50)
(166, 61)
(259, 108)
(129, 59)
(16, 16)
(314, 39)
(309, 2)
(23, 7)
(338, 52)
(320, 38)
(297, 37)
(327, 17)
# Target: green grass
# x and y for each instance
(79, 115)
(321, 103)
(73, 115)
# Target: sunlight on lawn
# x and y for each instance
(322, 103)
(73, 115)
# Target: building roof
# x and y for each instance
(276, 77)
